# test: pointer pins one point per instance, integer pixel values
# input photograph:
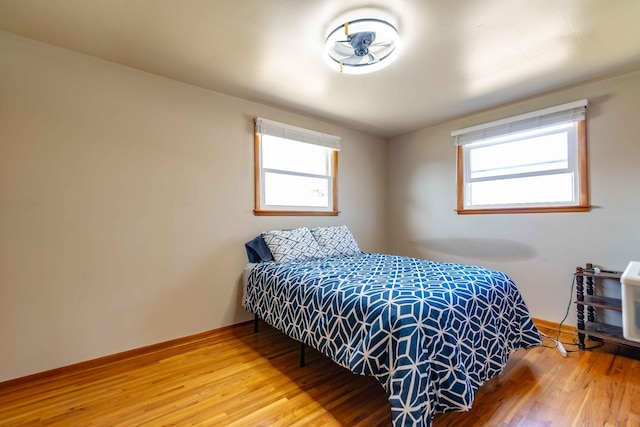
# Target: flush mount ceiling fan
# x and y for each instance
(361, 46)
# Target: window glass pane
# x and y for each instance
(292, 190)
(294, 156)
(557, 188)
(540, 153)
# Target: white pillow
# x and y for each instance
(292, 245)
(336, 241)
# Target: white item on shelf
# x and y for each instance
(630, 280)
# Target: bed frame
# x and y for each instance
(256, 322)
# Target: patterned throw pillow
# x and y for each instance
(336, 241)
(292, 245)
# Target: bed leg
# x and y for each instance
(255, 323)
(302, 355)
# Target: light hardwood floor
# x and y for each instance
(233, 377)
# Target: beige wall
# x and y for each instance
(540, 251)
(125, 201)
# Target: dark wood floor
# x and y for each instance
(233, 377)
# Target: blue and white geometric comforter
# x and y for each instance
(432, 333)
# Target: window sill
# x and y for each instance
(295, 213)
(524, 210)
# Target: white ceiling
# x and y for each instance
(458, 56)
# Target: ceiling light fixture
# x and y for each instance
(361, 46)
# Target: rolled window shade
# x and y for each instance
(282, 130)
(566, 113)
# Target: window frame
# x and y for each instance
(260, 210)
(581, 174)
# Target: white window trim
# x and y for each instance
(328, 178)
(283, 130)
(572, 111)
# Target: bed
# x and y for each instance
(430, 332)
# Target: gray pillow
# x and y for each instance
(292, 245)
(336, 241)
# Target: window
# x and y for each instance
(534, 162)
(295, 170)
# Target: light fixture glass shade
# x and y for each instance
(361, 46)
